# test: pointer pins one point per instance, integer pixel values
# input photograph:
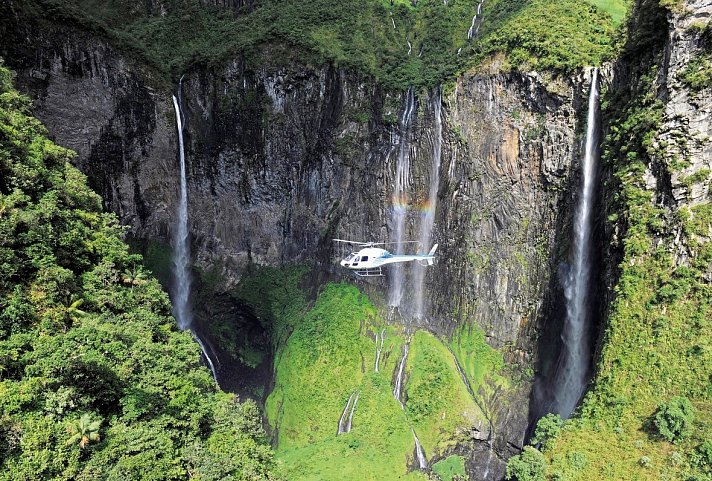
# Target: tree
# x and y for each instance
(72, 313)
(547, 428)
(674, 418)
(83, 431)
(530, 465)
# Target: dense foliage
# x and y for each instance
(530, 465)
(547, 35)
(95, 381)
(398, 42)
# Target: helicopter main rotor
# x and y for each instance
(371, 244)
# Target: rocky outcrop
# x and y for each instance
(282, 159)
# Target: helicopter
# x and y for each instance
(368, 261)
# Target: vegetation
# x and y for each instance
(329, 356)
(675, 418)
(95, 380)
(325, 354)
(698, 73)
(451, 468)
(547, 428)
(530, 465)
(546, 35)
(617, 9)
(560, 35)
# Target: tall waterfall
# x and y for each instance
(572, 375)
(181, 267)
(428, 221)
(400, 198)
(181, 246)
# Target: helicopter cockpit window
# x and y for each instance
(350, 257)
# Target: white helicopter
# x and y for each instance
(368, 261)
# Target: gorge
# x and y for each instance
(556, 278)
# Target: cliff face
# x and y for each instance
(282, 159)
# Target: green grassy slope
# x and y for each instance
(329, 355)
(617, 9)
(86, 333)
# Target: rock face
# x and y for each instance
(282, 159)
(687, 124)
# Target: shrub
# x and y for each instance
(547, 428)
(702, 457)
(674, 418)
(530, 465)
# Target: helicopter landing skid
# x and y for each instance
(376, 272)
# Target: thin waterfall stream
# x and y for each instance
(397, 393)
(573, 368)
(181, 245)
(379, 348)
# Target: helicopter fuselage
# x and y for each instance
(365, 261)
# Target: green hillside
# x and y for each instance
(95, 381)
(369, 36)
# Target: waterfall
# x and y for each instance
(348, 414)
(574, 363)
(400, 198)
(343, 419)
(472, 30)
(351, 415)
(181, 246)
(211, 365)
(181, 267)
(422, 460)
(419, 453)
(379, 349)
(426, 226)
(399, 376)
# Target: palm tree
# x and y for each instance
(72, 313)
(83, 431)
(134, 277)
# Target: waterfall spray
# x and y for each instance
(400, 197)
(573, 366)
(426, 226)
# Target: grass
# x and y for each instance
(438, 402)
(450, 467)
(617, 9)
